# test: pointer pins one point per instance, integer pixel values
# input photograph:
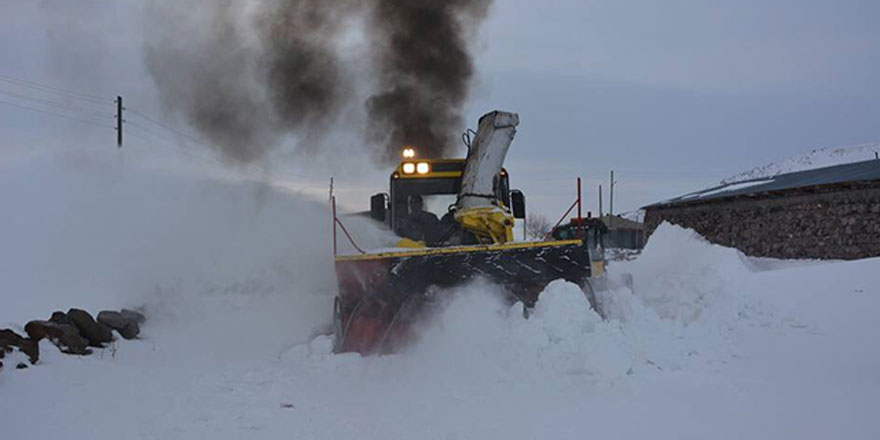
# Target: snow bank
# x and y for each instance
(685, 312)
(681, 276)
(477, 335)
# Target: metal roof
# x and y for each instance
(865, 171)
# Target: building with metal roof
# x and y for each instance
(623, 233)
(831, 212)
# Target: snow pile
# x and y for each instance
(685, 312)
(479, 337)
(683, 277)
(817, 158)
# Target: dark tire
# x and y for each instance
(628, 282)
(338, 332)
(589, 286)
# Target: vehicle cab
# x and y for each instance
(591, 230)
(438, 183)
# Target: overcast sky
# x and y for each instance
(674, 95)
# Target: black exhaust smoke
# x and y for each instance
(245, 74)
(425, 69)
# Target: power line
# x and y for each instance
(250, 168)
(47, 102)
(84, 121)
(143, 138)
(43, 87)
(146, 130)
(85, 111)
(168, 140)
(154, 121)
(171, 142)
(162, 140)
(168, 147)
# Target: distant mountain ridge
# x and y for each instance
(818, 158)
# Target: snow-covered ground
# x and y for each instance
(816, 158)
(236, 277)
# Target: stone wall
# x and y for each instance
(839, 222)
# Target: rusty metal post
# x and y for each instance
(333, 204)
(611, 202)
(580, 220)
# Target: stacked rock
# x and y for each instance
(28, 346)
(126, 322)
(72, 332)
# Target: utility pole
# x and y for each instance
(611, 202)
(119, 121)
(600, 202)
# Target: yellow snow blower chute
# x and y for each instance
(381, 294)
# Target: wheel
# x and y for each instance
(338, 333)
(589, 286)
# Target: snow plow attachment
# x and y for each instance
(381, 295)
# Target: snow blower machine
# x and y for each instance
(383, 293)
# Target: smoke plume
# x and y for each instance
(303, 74)
(247, 74)
(425, 70)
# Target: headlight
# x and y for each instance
(423, 168)
(409, 168)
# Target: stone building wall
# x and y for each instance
(840, 222)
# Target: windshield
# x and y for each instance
(437, 194)
(439, 204)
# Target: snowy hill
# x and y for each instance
(235, 277)
(818, 158)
